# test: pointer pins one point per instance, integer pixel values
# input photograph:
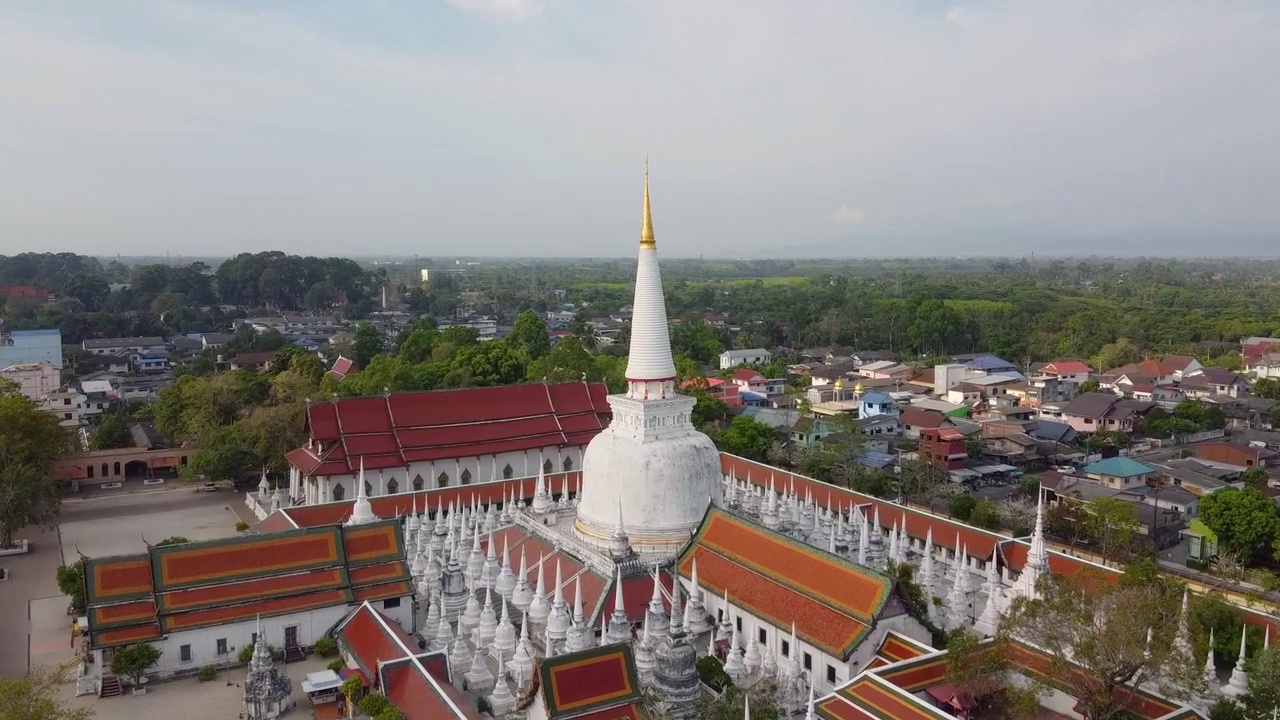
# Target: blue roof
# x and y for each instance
(876, 398)
(1119, 466)
(875, 459)
(748, 395)
(35, 333)
(989, 362)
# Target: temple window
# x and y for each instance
(418, 483)
(339, 492)
(466, 477)
(568, 464)
(442, 479)
(393, 486)
(507, 472)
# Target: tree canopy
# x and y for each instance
(37, 697)
(31, 441)
(1244, 520)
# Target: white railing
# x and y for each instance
(563, 541)
(260, 512)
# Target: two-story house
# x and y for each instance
(943, 447)
(872, 404)
(753, 356)
(1094, 411)
(1209, 381)
(1068, 370)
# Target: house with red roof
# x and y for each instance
(411, 441)
(727, 392)
(200, 603)
(1068, 369)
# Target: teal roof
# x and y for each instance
(1118, 466)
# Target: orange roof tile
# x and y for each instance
(589, 680)
(265, 608)
(126, 577)
(130, 613)
(191, 564)
(254, 589)
(883, 701)
(124, 636)
(399, 588)
(837, 708)
(819, 624)
(856, 591)
(380, 573)
(372, 543)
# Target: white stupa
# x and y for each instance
(651, 457)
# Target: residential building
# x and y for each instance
(342, 367)
(753, 356)
(34, 380)
(254, 361)
(915, 420)
(1067, 370)
(213, 341)
(1094, 411)
(807, 432)
(1254, 349)
(1119, 472)
(1265, 366)
(1210, 381)
(749, 380)
(485, 327)
(31, 346)
(1235, 454)
(873, 404)
(885, 370)
(122, 346)
(727, 392)
(29, 293)
(200, 603)
(987, 364)
(442, 438)
(943, 447)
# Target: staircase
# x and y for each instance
(110, 687)
(294, 653)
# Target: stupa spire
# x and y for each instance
(650, 357)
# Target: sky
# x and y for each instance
(522, 127)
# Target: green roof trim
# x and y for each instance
(1119, 466)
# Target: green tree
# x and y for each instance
(961, 507)
(566, 362)
(529, 336)
(1245, 521)
(1255, 476)
(1268, 388)
(746, 437)
(133, 661)
(1264, 684)
(1112, 525)
(38, 696)
(985, 515)
(728, 705)
(172, 540)
(1095, 635)
(71, 583)
(30, 442)
(89, 288)
(1089, 386)
(1116, 354)
(366, 344)
(986, 672)
(112, 432)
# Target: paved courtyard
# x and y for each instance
(191, 699)
(33, 613)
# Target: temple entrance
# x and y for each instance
(291, 649)
(136, 469)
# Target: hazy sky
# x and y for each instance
(520, 127)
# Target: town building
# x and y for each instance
(121, 346)
(18, 347)
(754, 356)
(35, 380)
(943, 447)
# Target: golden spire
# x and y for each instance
(646, 229)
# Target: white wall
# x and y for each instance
(819, 659)
(483, 468)
(312, 625)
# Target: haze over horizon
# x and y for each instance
(519, 128)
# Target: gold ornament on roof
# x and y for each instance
(646, 228)
(858, 388)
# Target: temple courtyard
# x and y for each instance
(32, 610)
(212, 700)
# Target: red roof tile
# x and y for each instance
(192, 564)
(265, 608)
(918, 418)
(371, 638)
(594, 596)
(384, 591)
(637, 592)
(588, 680)
(403, 428)
(374, 543)
(121, 614)
(256, 589)
(112, 579)
(380, 573)
(125, 636)
(400, 504)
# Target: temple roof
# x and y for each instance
(833, 602)
(132, 598)
(418, 684)
(596, 588)
(402, 428)
(586, 684)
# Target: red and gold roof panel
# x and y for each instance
(264, 608)
(384, 591)
(182, 566)
(589, 680)
(375, 542)
(857, 591)
(380, 573)
(255, 589)
(124, 636)
(127, 577)
(885, 703)
(130, 613)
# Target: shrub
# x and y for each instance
(326, 647)
(336, 665)
(241, 526)
(961, 506)
(246, 654)
(713, 674)
(71, 583)
(207, 673)
(134, 661)
(372, 704)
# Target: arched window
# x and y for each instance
(417, 483)
(507, 472)
(339, 492)
(568, 464)
(466, 477)
(442, 480)
(106, 470)
(368, 489)
(90, 469)
(117, 468)
(547, 466)
(393, 486)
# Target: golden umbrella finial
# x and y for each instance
(646, 229)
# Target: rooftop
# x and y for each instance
(1119, 466)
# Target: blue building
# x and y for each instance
(31, 346)
(875, 403)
